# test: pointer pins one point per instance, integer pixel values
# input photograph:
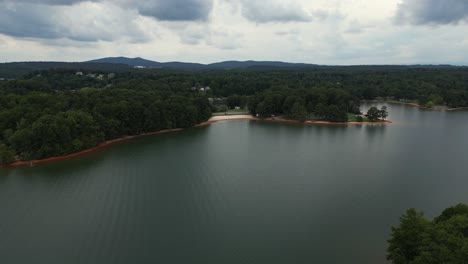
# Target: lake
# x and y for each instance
(238, 192)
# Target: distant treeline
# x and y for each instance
(434, 85)
(17, 70)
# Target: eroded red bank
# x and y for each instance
(211, 121)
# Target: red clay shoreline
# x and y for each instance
(323, 123)
(101, 146)
(108, 143)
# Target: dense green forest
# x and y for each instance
(326, 104)
(441, 85)
(420, 241)
(59, 111)
(45, 123)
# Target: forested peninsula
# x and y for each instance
(57, 112)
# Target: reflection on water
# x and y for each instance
(373, 131)
(237, 192)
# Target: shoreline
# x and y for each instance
(323, 123)
(212, 120)
(417, 105)
(103, 145)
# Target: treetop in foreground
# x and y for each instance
(420, 241)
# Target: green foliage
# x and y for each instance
(38, 125)
(419, 241)
(429, 104)
(236, 101)
(6, 155)
(407, 238)
(383, 112)
(298, 112)
(374, 114)
(326, 104)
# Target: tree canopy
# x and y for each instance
(420, 241)
(42, 124)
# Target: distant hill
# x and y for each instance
(134, 62)
(248, 64)
(14, 70)
(128, 61)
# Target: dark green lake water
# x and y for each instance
(238, 192)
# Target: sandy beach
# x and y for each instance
(212, 120)
(215, 119)
(286, 121)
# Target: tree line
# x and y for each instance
(38, 124)
(302, 104)
(426, 85)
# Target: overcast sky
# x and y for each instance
(311, 31)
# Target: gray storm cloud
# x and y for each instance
(420, 12)
(93, 20)
(47, 2)
(175, 10)
(273, 11)
(79, 22)
(168, 10)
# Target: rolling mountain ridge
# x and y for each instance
(135, 62)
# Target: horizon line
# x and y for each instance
(231, 60)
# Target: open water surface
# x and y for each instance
(238, 192)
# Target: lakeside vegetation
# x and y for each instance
(420, 241)
(334, 105)
(42, 124)
(61, 111)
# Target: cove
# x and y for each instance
(237, 192)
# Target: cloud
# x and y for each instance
(203, 34)
(165, 10)
(294, 31)
(273, 11)
(47, 2)
(420, 12)
(193, 34)
(171, 10)
(85, 21)
(355, 27)
(223, 38)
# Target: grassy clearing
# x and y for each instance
(233, 112)
(355, 118)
